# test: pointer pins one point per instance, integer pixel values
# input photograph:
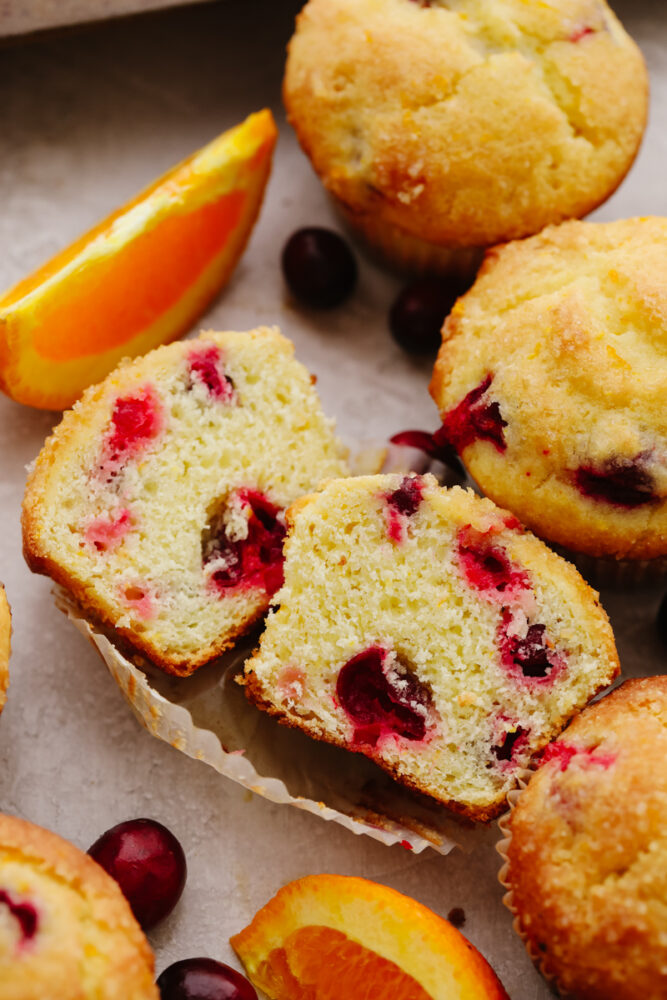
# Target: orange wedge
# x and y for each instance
(330, 936)
(141, 277)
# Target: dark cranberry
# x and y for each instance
(24, 914)
(417, 315)
(661, 620)
(203, 979)
(474, 418)
(379, 702)
(408, 496)
(505, 750)
(621, 482)
(148, 863)
(457, 916)
(319, 267)
(257, 559)
(532, 655)
(423, 441)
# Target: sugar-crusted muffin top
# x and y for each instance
(5, 639)
(588, 849)
(466, 122)
(426, 629)
(552, 380)
(66, 930)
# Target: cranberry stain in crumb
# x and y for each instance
(564, 753)
(206, 368)
(255, 561)
(622, 483)
(382, 702)
(135, 421)
(106, 532)
(24, 914)
(402, 504)
(475, 419)
(487, 567)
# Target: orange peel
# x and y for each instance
(327, 936)
(141, 277)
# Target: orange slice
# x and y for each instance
(324, 937)
(141, 277)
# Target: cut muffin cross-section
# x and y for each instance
(158, 501)
(425, 628)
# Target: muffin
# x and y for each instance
(441, 130)
(551, 382)
(425, 629)
(5, 638)
(158, 501)
(66, 930)
(587, 850)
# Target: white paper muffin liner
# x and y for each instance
(539, 960)
(208, 717)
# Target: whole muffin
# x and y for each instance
(587, 854)
(66, 930)
(5, 640)
(440, 126)
(552, 381)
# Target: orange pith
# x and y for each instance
(141, 277)
(318, 963)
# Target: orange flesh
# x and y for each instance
(319, 963)
(114, 298)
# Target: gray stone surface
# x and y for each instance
(86, 119)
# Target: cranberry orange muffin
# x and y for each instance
(441, 125)
(552, 381)
(66, 930)
(587, 850)
(158, 501)
(5, 641)
(425, 629)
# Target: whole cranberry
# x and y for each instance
(203, 979)
(417, 315)
(319, 268)
(148, 863)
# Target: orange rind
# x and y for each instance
(329, 936)
(141, 277)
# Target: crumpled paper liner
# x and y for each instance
(208, 717)
(538, 958)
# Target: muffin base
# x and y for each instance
(408, 254)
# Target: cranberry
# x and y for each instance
(417, 315)
(135, 420)
(379, 702)
(254, 561)
(24, 914)
(206, 367)
(319, 267)
(505, 750)
(621, 482)
(148, 863)
(439, 450)
(487, 567)
(532, 655)
(661, 620)
(474, 418)
(203, 979)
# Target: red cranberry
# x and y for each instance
(203, 979)
(24, 914)
(319, 267)
(148, 863)
(423, 441)
(621, 482)
(474, 418)
(254, 561)
(662, 620)
(377, 703)
(417, 315)
(407, 498)
(206, 367)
